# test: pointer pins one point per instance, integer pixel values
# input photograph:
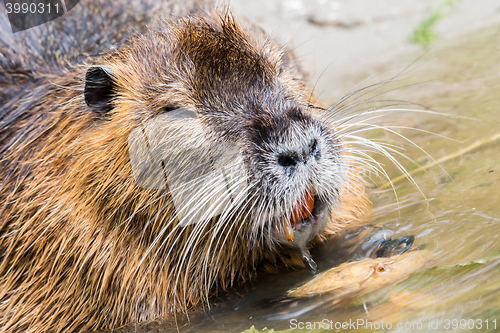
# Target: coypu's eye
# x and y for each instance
(99, 89)
(170, 108)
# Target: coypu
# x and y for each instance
(83, 246)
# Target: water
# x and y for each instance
(457, 218)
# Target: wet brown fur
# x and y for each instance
(75, 235)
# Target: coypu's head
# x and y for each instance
(230, 128)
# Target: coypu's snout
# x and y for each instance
(302, 210)
(290, 159)
(296, 161)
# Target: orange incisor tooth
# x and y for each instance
(301, 211)
(288, 231)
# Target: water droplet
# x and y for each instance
(310, 261)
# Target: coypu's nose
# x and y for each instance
(292, 158)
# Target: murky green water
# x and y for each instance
(458, 219)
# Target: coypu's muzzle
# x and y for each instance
(307, 219)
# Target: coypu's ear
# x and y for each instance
(99, 89)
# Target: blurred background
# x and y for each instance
(339, 42)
